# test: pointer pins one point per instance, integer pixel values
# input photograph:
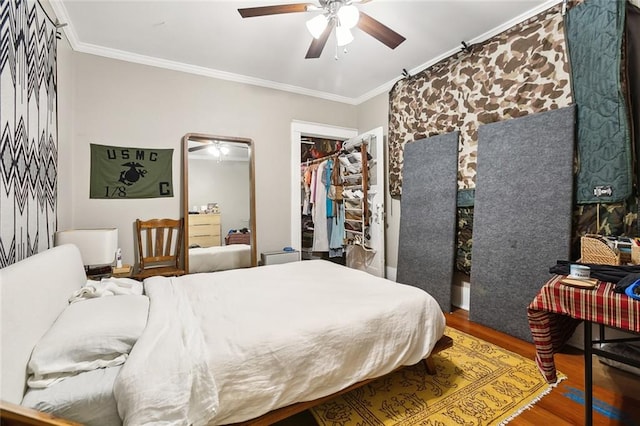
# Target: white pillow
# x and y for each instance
(86, 398)
(90, 334)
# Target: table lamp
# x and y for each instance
(97, 247)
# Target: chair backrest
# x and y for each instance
(159, 242)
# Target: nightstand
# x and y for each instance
(126, 271)
(275, 257)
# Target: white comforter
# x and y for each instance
(237, 344)
(219, 258)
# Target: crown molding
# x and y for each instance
(207, 72)
(78, 46)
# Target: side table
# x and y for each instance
(557, 310)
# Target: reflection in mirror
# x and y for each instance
(218, 203)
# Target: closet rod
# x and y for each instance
(320, 160)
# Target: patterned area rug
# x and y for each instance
(477, 383)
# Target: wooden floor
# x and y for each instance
(616, 393)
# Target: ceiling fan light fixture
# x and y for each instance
(317, 25)
(343, 36)
(341, 15)
(224, 150)
(348, 16)
(213, 150)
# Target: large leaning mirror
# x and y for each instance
(218, 201)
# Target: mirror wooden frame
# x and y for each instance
(206, 138)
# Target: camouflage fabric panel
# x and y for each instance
(521, 71)
(464, 239)
(616, 219)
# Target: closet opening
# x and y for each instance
(300, 129)
(361, 176)
(317, 163)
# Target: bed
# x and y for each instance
(219, 258)
(218, 348)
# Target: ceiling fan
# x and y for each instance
(339, 14)
(215, 148)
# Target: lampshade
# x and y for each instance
(348, 16)
(343, 35)
(97, 246)
(317, 25)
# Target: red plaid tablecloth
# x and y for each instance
(557, 310)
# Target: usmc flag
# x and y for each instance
(119, 172)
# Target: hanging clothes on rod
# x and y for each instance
(324, 203)
(335, 191)
(307, 183)
(337, 236)
(319, 211)
(335, 218)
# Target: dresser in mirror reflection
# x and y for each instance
(204, 230)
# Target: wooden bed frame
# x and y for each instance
(288, 411)
(20, 333)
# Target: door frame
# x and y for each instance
(299, 129)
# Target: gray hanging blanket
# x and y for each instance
(633, 71)
(594, 35)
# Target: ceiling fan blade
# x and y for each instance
(315, 50)
(379, 31)
(250, 12)
(198, 148)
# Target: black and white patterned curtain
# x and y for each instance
(29, 136)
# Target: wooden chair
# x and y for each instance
(159, 247)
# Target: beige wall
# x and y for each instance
(65, 125)
(113, 102)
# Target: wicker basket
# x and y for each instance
(635, 255)
(626, 258)
(594, 249)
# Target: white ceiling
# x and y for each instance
(208, 37)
